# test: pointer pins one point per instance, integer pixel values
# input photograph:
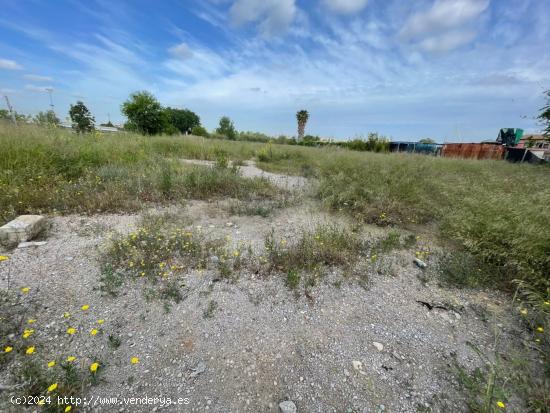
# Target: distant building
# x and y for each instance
(539, 145)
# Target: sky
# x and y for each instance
(450, 70)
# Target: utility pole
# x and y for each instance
(12, 113)
(50, 90)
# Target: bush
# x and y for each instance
(200, 131)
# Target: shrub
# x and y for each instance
(200, 131)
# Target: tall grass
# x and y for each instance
(495, 210)
(44, 170)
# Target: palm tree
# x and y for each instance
(301, 116)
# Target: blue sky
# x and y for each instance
(452, 70)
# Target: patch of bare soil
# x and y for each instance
(246, 346)
(250, 170)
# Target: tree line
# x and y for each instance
(147, 116)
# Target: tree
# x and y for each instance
(227, 128)
(144, 113)
(81, 118)
(183, 120)
(544, 116)
(302, 117)
(426, 140)
(109, 124)
(47, 118)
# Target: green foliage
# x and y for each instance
(81, 118)
(145, 114)
(302, 117)
(47, 118)
(426, 140)
(292, 279)
(374, 143)
(324, 245)
(183, 120)
(544, 116)
(200, 131)
(46, 170)
(226, 128)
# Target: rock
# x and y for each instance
(420, 263)
(214, 259)
(21, 229)
(379, 346)
(287, 407)
(200, 368)
(357, 365)
(31, 244)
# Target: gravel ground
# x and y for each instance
(341, 349)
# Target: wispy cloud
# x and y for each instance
(9, 64)
(346, 6)
(272, 16)
(35, 88)
(445, 25)
(38, 78)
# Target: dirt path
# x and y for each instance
(250, 170)
(249, 345)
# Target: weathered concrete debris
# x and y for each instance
(31, 244)
(21, 229)
(420, 263)
(287, 407)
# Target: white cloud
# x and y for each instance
(181, 51)
(38, 78)
(346, 6)
(443, 15)
(447, 41)
(273, 16)
(35, 88)
(9, 64)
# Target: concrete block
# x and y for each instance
(23, 228)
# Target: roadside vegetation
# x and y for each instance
(491, 217)
(51, 170)
(45, 359)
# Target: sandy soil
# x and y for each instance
(264, 344)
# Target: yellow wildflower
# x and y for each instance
(93, 332)
(540, 329)
(94, 367)
(51, 363)
(52, 387)
(8, 349)
(85, 307)
(71, 330)
(547, 303)
(31, 321)
(66, 315)
(236, 253)
(28, 332)
(501, 404)
(68, 409)
(25, 290)
(134, 360)
(523, 311)
(101, 321)
(70, 359)
(30, 350)
(4, 258)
